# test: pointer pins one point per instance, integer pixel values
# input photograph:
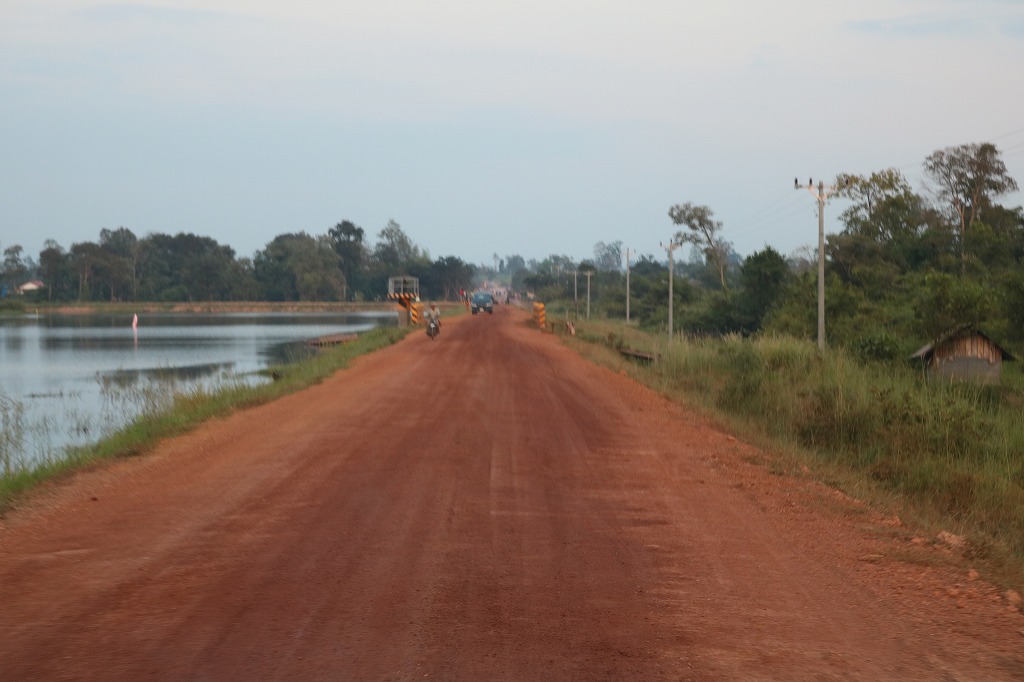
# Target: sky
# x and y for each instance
(533, 127)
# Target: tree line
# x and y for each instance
(906, 266)
(338, 265)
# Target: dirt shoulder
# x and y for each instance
(483, 506)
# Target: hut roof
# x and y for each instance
(925, 352)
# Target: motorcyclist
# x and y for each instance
(433, 315)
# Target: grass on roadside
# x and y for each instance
(946, 456)
(191, 408)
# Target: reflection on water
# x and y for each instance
(126, 377)
(71, 379)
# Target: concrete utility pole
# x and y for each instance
(820, 193)
(627, 284)
(588, 273)
(672, 245)
(575, 295)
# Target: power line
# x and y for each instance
(756, 221)
(1009, 134)
(769, 220)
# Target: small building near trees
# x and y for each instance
(30, 286)
(965, 354)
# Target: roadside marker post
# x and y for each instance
(539, 315)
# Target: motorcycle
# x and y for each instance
(433, 329)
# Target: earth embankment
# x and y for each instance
(483, 506)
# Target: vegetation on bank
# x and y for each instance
(950, 456)
(11, 307)
(337, 266)
(191, 408)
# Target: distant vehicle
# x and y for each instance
(481, 301)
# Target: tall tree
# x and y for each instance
(122, 244)
(317, 271)
(394, 248)
(967, 178)
(272, 271)
(244, 286)
(296, 267)
(883, 206)
(608, 257)
(88, 259)
(450, 275)
(347, 240)
(515, 267)
(556, 265)
(862, 262)
(514, 263)
(948, 302)
(702, 230)
(185, 267)
(54, 266)
(13, 268)
(763, 277)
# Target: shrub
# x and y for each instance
(876, 346)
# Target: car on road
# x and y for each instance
(481, 300)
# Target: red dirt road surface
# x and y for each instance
(487, 506)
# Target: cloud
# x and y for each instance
(919, 27)
(128, 12)
(966, 20)
(1013, 28)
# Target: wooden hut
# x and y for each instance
(965, 354)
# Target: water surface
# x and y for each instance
(70, 379)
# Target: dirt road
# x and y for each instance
(484, 507)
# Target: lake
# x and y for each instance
(71, 379)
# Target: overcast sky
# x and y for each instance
(531, 127)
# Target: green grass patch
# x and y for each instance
(944, 455)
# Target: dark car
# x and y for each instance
(481, 301)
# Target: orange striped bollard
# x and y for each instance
(538, 315)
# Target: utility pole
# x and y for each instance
(672, 245)
(575, 294)
(588, 273)
(820, 193)
(627, 284)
